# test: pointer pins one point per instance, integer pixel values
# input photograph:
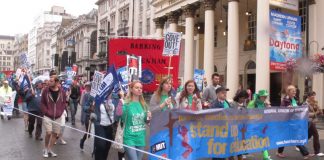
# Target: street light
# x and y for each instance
(88, 66)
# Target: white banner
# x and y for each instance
(172, 42)
(288, 4)
(97, 79)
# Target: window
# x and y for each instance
(148, 26)
(215, 36)
(48, 52)
(0, 58)
(252, 27)
(3, 63)
(8, 63)
(302, 14)
(112, 21)
(8, 58)
(140, 29)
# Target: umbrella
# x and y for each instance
(41, 77)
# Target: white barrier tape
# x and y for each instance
(111, 141)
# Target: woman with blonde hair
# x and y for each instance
(189, 98)
(161, 99)
(134, 116)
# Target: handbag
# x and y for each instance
(119, 137)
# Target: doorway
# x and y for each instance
(275, 88)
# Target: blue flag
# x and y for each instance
(25, 83)
(107, 85)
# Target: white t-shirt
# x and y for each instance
(104, 119)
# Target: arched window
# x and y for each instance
(93, 43)
(250, 65)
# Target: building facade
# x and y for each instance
(20, 47)
(231, 37)
(6, 53)
(118, 18)
(43, 47)
(54, 15)
(80, 43)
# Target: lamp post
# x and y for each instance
(88, 62)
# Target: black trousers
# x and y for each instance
(101, 147)
(302, 149)
(86, 123)
(31, 124)
(312, 131)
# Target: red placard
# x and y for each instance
(154, 65)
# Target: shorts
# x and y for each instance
(52, 127)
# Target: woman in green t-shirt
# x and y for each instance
(135, 116)
(162, 100)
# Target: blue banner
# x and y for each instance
(123, 78)
(221, 133)
(199, 78)
(107, 85)
(285, 39)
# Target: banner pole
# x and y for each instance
(169, 67)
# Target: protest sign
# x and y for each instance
(97, 79)
(199, 78)
(134, 66)
(123, 78)
(221, 133)
(153, 63)
(172, 42)
(23, 60)
(107, 85)
(285, 39)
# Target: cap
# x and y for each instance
(263, 93)
(220, 89)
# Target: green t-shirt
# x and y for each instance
(163, 98)
(135, 131)
(294, 102)
(190, 100)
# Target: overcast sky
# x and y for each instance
(16, 16)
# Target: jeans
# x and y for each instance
(101, 147)
(133, 154)
(86, 127)
(73, 108)
(302, 149)
(312, 131)
(31, 124)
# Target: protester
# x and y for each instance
(180, 86)
(103, 128)
(134, 115)
(260, 101)
(290, 101)
(189, 98)
(209, 94)
(240, 100)
(86, 103)
(15, 87)
(33, 100)
(314, 112)
(5, 94)
(74, 100)
(22, 93)
(220, 101)
(162, 99)
(119, 109)
(53, 104)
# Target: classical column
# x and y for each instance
(232, 80)
(189, 11)
(262, 50)
(136, 17)
(159, 25)
(173, 18)
(209, 39)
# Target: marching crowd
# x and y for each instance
(52, 104)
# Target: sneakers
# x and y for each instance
(297, 149)
(45, 153)
(320, 154)
(63, 142)
(52, 154)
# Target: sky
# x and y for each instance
(16, 16)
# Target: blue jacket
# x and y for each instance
(33, 102)
(218, 104)
(86, 103)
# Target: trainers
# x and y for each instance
(45, 153)
(320, 154)
(297, 149)
(52, 154)
(63, 142)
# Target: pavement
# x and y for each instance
(15, 144)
